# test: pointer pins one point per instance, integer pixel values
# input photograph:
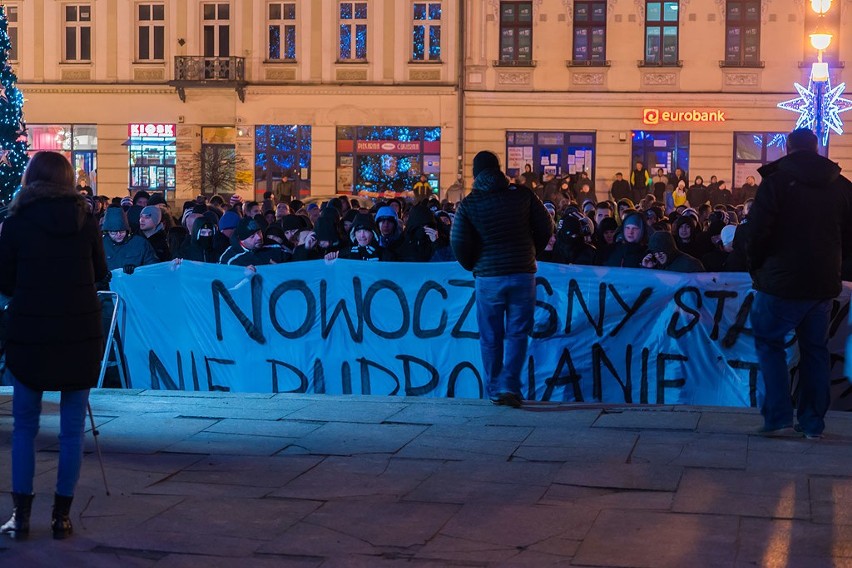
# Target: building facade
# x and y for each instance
(367, 96)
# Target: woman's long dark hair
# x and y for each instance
(49, 167)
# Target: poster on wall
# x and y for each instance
(744, 169)
(515, 158)
(344, 180)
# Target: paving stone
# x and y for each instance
(621, 476)
(145, 433)
(724, 451)
(430, 446)
(404, 524)
(590, 445)
(518, 525)
(777, 542)
(368, 412)
(743, 493)
(648, 419)
(232, 444)
(98, 513)
(346, 439)
(485, 433)
(277, 428)
(566, 417)
(830, 497)
(728, 421)
(358, 476)
(600, 499)
(195, 560)
(456, 550)
(443, 489)
(648, 539)
(425, 412)
(243, 470)
(305, 538)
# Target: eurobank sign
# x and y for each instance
(657, 116)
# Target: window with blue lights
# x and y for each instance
(516, 27)
(742, 32)
(590, 31)
(661, 33)
(282, 31)
(282, 155)
(426, 32)
(754, 149)
(353, 31)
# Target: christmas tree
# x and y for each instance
(13, 130)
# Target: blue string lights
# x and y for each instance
(13, 130)
(817, 109)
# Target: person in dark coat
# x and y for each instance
(51, 254)
(420, 235)
(796, 275)
(664, 255)
(571, 246)
(696, 195)
(746, 192)
(640, 182)
(363, 237)
(497, 231)
(630, 244)
(151, 227)
(620, 188)
(201, 246)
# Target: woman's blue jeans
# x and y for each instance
(26, 410)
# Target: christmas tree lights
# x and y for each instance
(13, 129)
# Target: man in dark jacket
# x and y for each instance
(498, 230)
(797, 274)
(151, 227)
(664, 255)
(620, 188)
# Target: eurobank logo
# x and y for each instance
(656, 116)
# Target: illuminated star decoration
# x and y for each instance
(4, 158)
(806, 105)
(3, 93)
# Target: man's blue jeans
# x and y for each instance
(505, 309)
(772, 319)
(26, 410)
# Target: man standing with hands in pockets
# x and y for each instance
(498, 230)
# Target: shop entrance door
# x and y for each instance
(661, 150)
(87, 161)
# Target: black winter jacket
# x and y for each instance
(798, 227)
(51, 255)
(499, 228)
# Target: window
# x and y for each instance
(78, 32)
(151, 32)
(661, 20)
(353, 31)
(282, 31)
(426, 38)
(742, 32)
(830, 24)
(216, 30)
(590, 31)
(282, 151)
(516, 31)
(12, 18)
(752, 150)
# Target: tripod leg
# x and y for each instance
(95, 435)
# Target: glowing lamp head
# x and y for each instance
(820, 6)
(820, 41)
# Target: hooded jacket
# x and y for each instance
(499, 228)
(676, 261)
(629, 255)
(571, 247)
(799, 226)
(416, 245)
(51, 257)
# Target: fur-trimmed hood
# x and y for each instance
(55, 208)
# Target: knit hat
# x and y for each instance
(662, 241)
(126, 202)
(245, 228)
(633, 218)
(139, 195)
(485, 160)
(235, 200)
(607, 224)
(727, 234)
(229, 220)
(154, 212)
(115, 219)
(386, 212)
(292, 223)
(363, 221)
(326, 230)
(156, 199)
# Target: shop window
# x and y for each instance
(150, 32)
(282, 156)
(561, 154)
(153, 153)
(742, 33)
(387, 160)
(12, 30)
(754, 149)
(353, 31)
(282, 31)
(426, 32)
(661, 33)
(661, 150)
(78, 33)
(516, 27)
(77, 142)
(589, 31)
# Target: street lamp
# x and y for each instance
(821, 6)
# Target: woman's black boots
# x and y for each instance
(18, 527)
(61, 522)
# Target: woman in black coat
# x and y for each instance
(51, 254)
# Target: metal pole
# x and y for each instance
(95, 435)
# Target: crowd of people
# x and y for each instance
(644, 222)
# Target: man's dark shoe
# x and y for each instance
(507, 399)
(808, 435)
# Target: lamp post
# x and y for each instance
(820, 40)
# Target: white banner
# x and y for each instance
(602, 334)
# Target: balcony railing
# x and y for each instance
(199, 71)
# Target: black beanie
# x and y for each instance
(485, 160)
